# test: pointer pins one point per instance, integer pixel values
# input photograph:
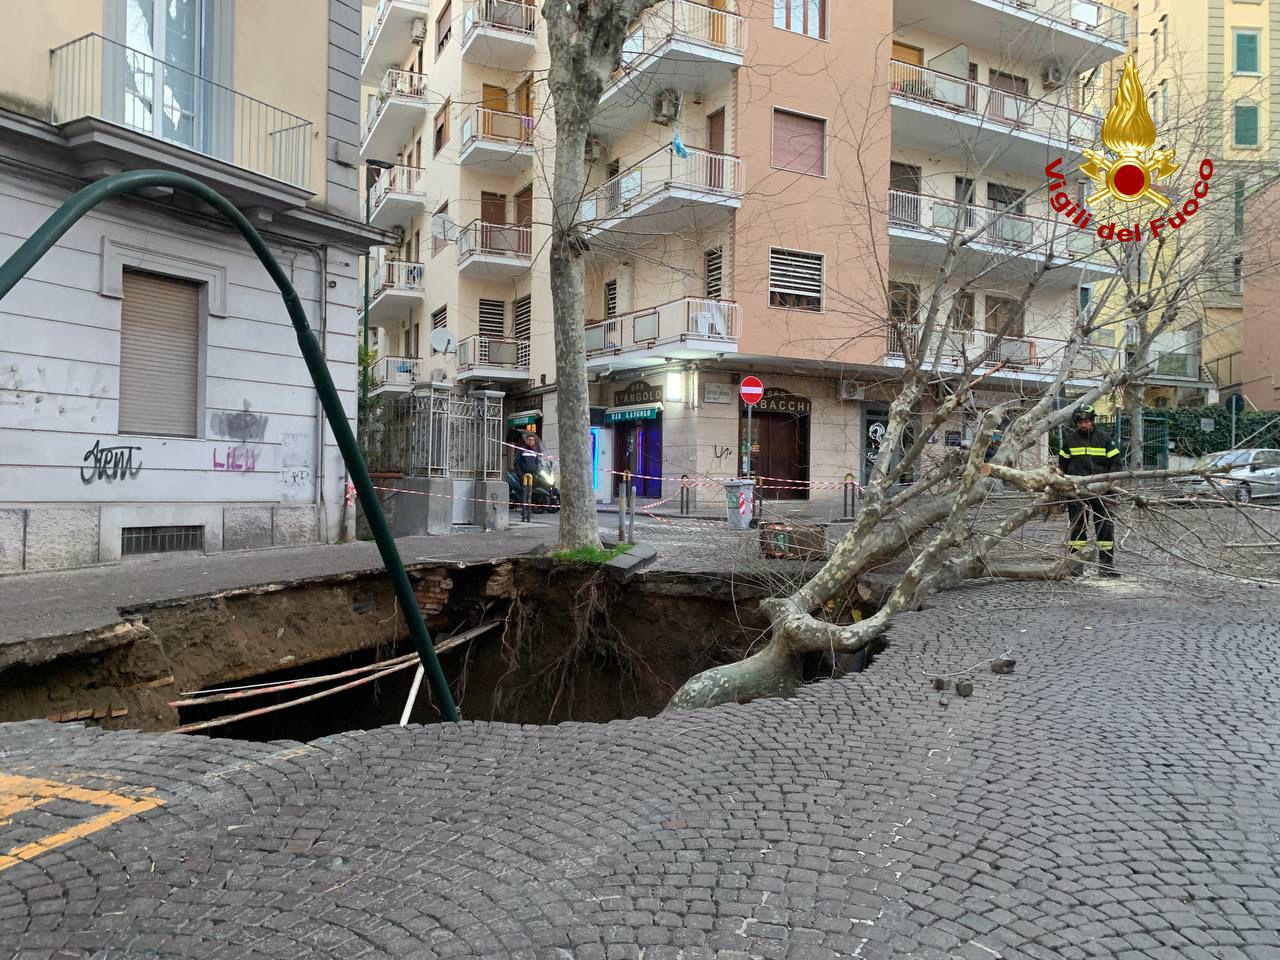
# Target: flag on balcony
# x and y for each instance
(677, 144)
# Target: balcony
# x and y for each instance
(397, 196)
(678, 45)
(494, 359)
(390, 36)
(494, 141)
(119, 108)
(1077, 33)
(396, 374)
(395, 288)
(1037, 358)
(662, 194)
(685, 329)
(401, 104)
(494, 251)
(499, 33)
(936, 111)
(1004, 244)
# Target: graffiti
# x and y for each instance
(722, 452)
(238, 459)
(243, 426)
(295, 477)
(875, 437)
(109, 463)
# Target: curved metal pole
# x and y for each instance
(40, 242)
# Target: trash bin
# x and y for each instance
(740, 504)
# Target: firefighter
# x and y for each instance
(1085, 452)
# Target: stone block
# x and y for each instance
(246, 528)
(61, 537)
(495, 512)
(294, 526)
(11, 524)
(424, 506)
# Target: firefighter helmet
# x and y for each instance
(1085, 412)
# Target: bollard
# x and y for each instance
(850, 491)
(622, 506)
(757, 507)
(684, 494)
(527, 508)
(631, 515)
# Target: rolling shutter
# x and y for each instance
(159, 356)
(799, 143)
(795, 279)
(493, 318)
(523, 320)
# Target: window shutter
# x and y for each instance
(611, 299)
(522, 320)
(159, 356)
(493, 318)
(1246, 125)
(799, 143)
(439, 320)
(715, 274)
(795, 279)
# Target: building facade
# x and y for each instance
(768, 181)
(152, 394)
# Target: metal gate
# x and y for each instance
(439, 434)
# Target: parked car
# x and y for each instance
(1250, 474)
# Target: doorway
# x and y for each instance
(719, 23)
(779, 453)
(637, 447)
(715, 144)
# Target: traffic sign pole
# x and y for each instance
(750, 390)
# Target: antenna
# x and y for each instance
(443, 340)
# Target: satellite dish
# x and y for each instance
(443, 340)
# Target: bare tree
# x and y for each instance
(585, 39)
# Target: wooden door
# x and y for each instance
(493, 99)
(719, 22)
(715, 144)
(493, 213)
(524, 206)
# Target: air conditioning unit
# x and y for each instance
(1052, 75)
(666, 107)
(419, 34)
(851, 390)
(594, 151)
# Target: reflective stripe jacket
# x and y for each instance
(1086, 454)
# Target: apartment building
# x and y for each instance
(152, 396)
(763, 176)
(1210, 68)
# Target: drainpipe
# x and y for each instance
(321, 254)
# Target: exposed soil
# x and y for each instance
(570, 644)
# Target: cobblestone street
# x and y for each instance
(1116, 796)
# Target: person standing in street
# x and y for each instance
(1087, 451)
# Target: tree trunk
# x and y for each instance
(579, 526)
(1133, 410)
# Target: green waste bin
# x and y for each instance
(739, 496)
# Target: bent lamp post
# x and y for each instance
(26, 256)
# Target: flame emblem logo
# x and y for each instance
(1128, 171)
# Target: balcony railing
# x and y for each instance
(1083, 15)
(663, 169)
(379, 16)
(484, 351)
(1014, 352)
(511, 15)
(479, 238)
(395, 275)
(400, 85)
(97, 77)
(406, 370)
(497, 126)
(992, 105)
(682, 20)
(398, 179)
(1015, 232)
(683, 319)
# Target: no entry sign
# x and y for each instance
(751, 390)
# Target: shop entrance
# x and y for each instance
(637, 447)
(780, 446)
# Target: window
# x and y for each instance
(611, 299)
(1004, 315)
(1082, 300)
(808, 17)
(170, 32)
(139, 540)
(441, 129)
(1164, 36)
(439, 320)
(1164, 102)
(1245, 128)
(440, 229)
(714, 260)
(444, 28)
(962, 311)
(799, 143)
(1155, 45)
(1245, 45)
(160, 365)
(1237, 275)
(904, 302)
(522, 318)
(493, 318)
(1239, 208)
(796, 279)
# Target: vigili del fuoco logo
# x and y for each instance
(1128, 171)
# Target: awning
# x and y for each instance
(637, 411)
(523, 418)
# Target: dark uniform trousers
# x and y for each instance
(1092, 509)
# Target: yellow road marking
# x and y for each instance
(26, 793)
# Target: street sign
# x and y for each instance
(751, 390)
(1235, 402)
